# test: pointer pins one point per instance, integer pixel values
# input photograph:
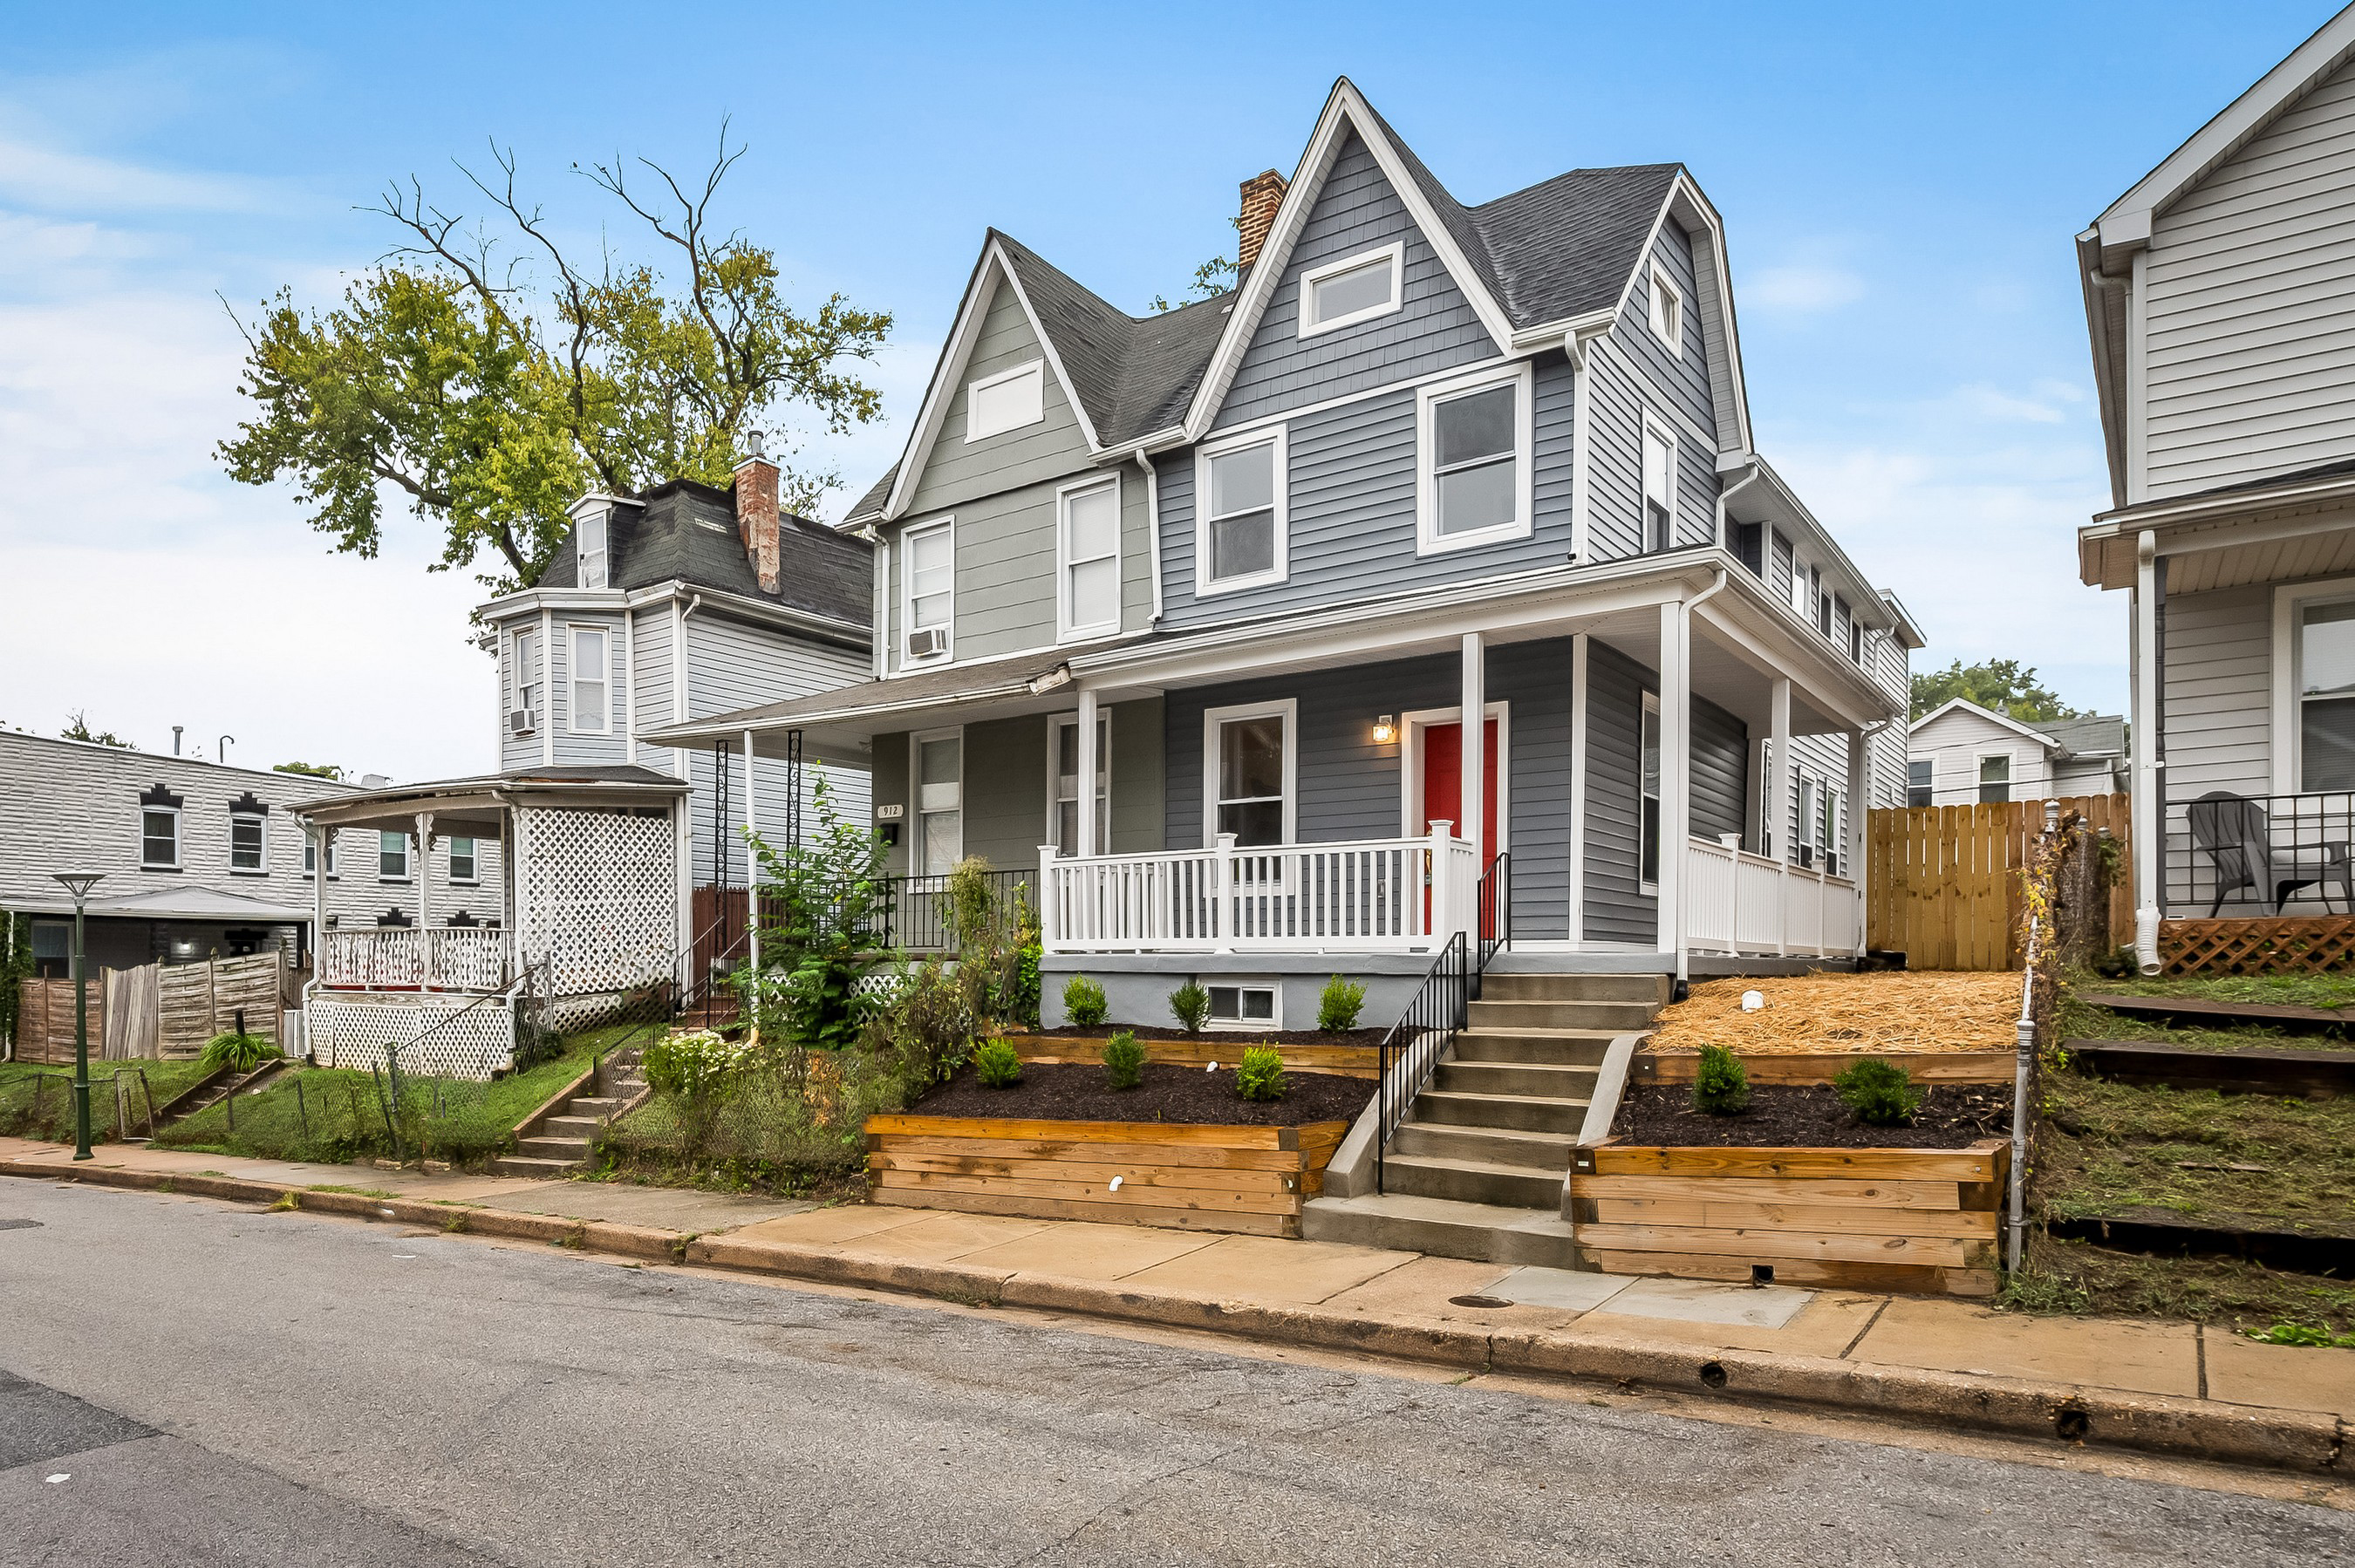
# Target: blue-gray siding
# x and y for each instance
(1683, 378)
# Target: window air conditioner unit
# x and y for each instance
(929, 643)
(520, 722)
(1807, 855)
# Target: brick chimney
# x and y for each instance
(756, 511)
(1263, 194)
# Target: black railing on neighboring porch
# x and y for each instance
(2240, 856)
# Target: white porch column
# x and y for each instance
(752, 862)
(2149, 811)
(1675, 783)
(1578, 655)
(1775, 805)
(427, 955)
(321, 838)
(1470, 806)
(1089, 763)
(1859, 793)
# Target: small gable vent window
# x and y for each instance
(1668, 313)
(590, 537)
(1007, 400)
(1345, 293)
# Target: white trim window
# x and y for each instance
(589, 548)
(391, 856)
(592, 673)
(1659, 486)
(1245, 1006)
(1473, 439)
(311, 853)
(1063, 784)
(2326, 695)
(465, 864)
(525, 682)
(1828, 831)
(1807, 841)
(1667, 312)
(928, 565)
(1920, 782)
(1007, 400)
(1802, 598)
(936, 765)
(1647, 797)
(1087, 544)
(1239, 535)
(1251, 772)
(1994, 778)
(1354, 289)
(159, 838)
(249, 843)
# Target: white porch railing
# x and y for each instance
(410, 958)
(1742, 903)
(1372, 895)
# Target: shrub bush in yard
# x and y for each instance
(1261, 1074)
(1124, 1060)
(998, 1064)
(1880, 1093)
(1339, 1004)
(1720, 1087)
(238, 1053)
(1190, 1005)
(1083, 1002)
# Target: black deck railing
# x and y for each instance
(2238, 854)
(915, 913)
(1495, 904)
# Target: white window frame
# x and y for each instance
(2289, 676)
(572, 632)
(908, 537)
(1832, 815)
(1393, 253)
(1415, 724)
(1205, 585)
(1066, 629)
(1035, 369)
(1288, 709)
(1930, 767)
(474, 860)
(523, 647)
(1665, 433)
(1428, 539)
(178, 838)
(916, 812)
(1239, 984)
(1670, 332)
(311, 854)
(1808, 806)
(261, 820)
(1055, 728)
(408, 872)
(583, 555)
(1801, 588)
(1980, 759)
(1650, 710)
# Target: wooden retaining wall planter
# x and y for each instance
(1921, 1222)
(1187, 1177)
(2256, 1070)
(1067, 1049)
(1818, 1068)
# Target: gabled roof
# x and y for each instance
(2088, 735)
(685, 531)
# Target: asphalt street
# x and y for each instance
(185, 1382)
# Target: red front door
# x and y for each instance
(1443, 783)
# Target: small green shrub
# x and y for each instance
(1190, 1005)
(1083, 1002)
(1721, 1085)
(1124, 1060)
(998, 1064)
(1339, 1004)
(1880, 1093)
(238, 1053)
(1261, 1074)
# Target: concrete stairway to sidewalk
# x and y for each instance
(564, 1139)
(1476, 1168)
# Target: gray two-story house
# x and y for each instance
(2220, 295)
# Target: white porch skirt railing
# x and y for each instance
(435, 958)
(1742, 903)
(1372, 895)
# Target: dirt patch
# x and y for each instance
(2078, 1276)
(1076, 1094)
(1210, 1036)
(1863, 1013)
(1800, 1116)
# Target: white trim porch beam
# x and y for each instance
(1859, 791)
(751, 864)
(1471, 790)
(1675, 783)
(1085, 807)
(1576, 929)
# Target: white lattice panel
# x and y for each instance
(600, 897)
(438, 1037)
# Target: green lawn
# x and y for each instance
(2279, 991)
(37, 1101)
(2079, 1021)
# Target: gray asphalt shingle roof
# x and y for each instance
(686, 532)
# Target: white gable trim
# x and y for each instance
(1713, 298)
(1989, 714)
(973, 310)
(1346, 110)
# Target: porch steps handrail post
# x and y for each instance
(1222, 916)
(1442, 906)
(1052, 934)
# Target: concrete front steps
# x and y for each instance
(562, 1142)
(1475, 1170)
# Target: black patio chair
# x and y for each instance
(2232, 832)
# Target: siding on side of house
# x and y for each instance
(957, 470)
(1681, 378)
(887, 786)
(1139, 774)
(2250, 307)
(578, 748)
(520, 751)
(2219, 698)
(650, 634)
(1953, 745)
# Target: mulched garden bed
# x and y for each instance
(1241, 1037)
(1078, 1094)
(1804, 1116)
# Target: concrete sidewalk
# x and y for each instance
(2168, 1386)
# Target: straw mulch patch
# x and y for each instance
(1857, 1014)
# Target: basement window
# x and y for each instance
(1247, 1005)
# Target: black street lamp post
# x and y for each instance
(79, 883)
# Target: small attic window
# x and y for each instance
(1007, 400)
(1668, 313)
(1354, 289)
(590, 537)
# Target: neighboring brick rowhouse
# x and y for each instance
(756, 511)
(1263, 194)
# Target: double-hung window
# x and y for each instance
(1995, 779)
(1065, 828)
(1810, 844)
(311, 852)
(1920, 780)
(1473, 438)
(1007, 400)
(1648, 790)
(463, 864)
(526, 680)
(588, 541)
(1241, 540)
(392, 856)
(2326, 696)
(940, 802)
(249, 841)
(1660, 487)
(1248, 754)
(1353, 289)
(159, 838)
(1089, 540)
(591, 682)
(931, 568)
(1803, 599)
(1828, 828)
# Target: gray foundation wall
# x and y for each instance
(1137, 984)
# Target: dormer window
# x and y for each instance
(1354, 289)
(1007, 400)
(590, 537)
(1668, 313)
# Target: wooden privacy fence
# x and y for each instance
(152, 1010)
(1942, 883)
(201, 1000)
(45, 1020)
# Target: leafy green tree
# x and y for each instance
(821, 905)
(1212, 278)
(78, 729)
(491, 394)
(2005, 685)
(316, 770)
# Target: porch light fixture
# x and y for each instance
(79, 884)
(1059, 675)
(1385, 732)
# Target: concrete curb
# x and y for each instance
(2156, 1424)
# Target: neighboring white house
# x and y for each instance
(1963, 754)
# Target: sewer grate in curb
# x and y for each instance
(20, 1224)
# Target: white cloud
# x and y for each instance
(1799, 290)
(1992, 403)
(55, 180)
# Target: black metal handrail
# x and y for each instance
(2259, 853)
(1495, 906)
(913, 913)
(1440, 1007)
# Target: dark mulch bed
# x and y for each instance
(1076, 1094)
(1810, 1116)
(1241, 1037)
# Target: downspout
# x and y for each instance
(1152, 524)
(1725, 497)
(1685, 609)
(2149, 808)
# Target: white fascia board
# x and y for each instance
(1558, 334)
(597, 499)
(1727, 360)
(1989, 714)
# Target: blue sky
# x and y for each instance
(1901, 186)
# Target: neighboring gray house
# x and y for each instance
(2219, 293)
(1964, 754)
(1242, 566)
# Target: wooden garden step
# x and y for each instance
(2199, 1010)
